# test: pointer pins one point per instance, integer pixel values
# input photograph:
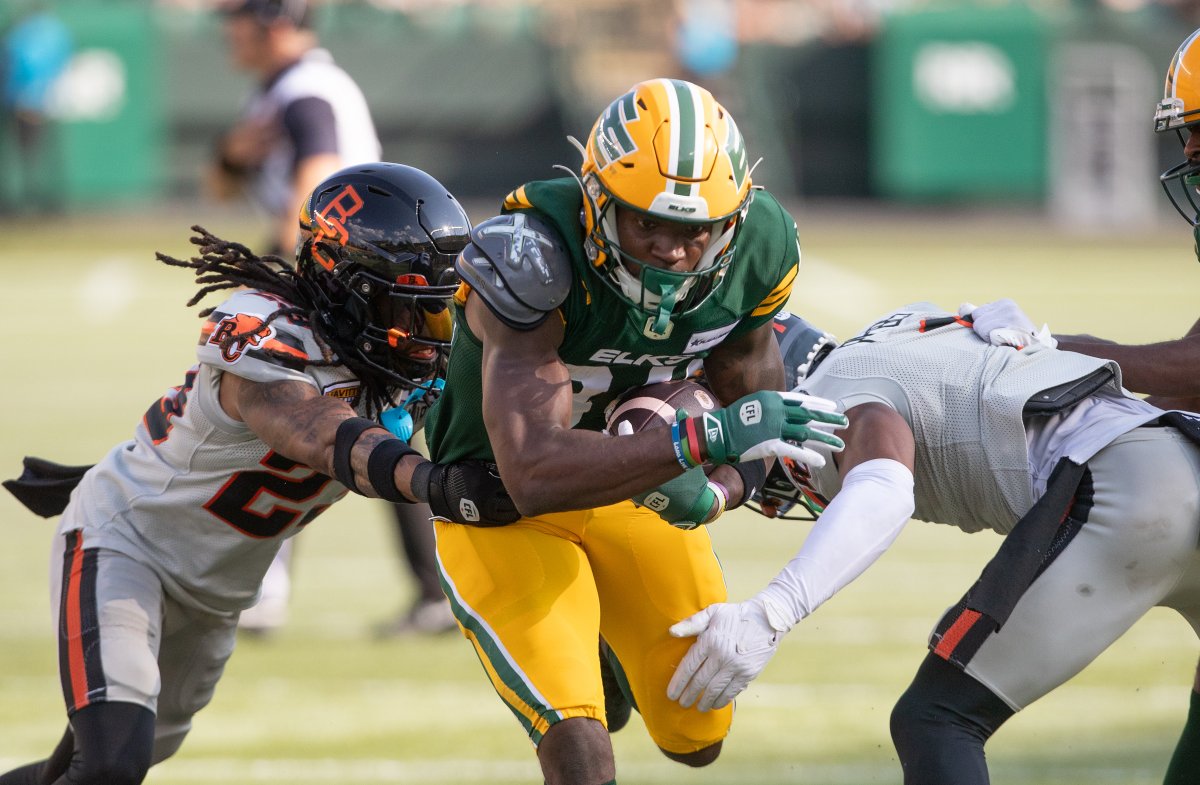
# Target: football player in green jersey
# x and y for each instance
(658, 260)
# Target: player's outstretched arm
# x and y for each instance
(1168, 369)
(326, 434)
(295, 420)
(736, 640)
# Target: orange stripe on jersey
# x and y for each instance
(283, 348)
(961, 626)
(74, 622)
(942, 321)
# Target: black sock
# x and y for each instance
(1184, 768)
(115, 742)
(44, 770)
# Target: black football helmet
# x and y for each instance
(376, 257)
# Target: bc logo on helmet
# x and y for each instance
(330, 222)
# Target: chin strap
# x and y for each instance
(663, 284)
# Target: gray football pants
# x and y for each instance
(121, 638)
(1137, 550)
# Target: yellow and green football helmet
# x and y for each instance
(1178, 111)
(668, 149)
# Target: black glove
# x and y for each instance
(468, 492)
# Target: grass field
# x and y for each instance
(94, 330)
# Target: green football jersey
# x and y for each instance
(608, 345)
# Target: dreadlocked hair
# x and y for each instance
(224, 264)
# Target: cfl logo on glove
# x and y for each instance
(468, 510)
(656, 501)
(750, 413)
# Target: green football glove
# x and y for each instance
(685, 501)
(762, 424)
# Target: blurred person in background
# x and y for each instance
(307, 119)
(36, 51)
(166, 540)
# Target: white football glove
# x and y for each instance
(735, 642)
(1003, 323)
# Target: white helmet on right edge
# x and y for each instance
(1178, 111)
(802, 345)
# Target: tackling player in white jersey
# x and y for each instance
(166, 540)
(1092, 486)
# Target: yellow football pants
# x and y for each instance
(534, 596)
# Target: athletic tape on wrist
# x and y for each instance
(381, 468)
(754, 476)
(343, 444)
(722, 494)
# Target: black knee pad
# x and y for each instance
(942, 721)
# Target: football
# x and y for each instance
(654, 405)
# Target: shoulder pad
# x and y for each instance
(520, 267)
(802, 345)
(266, 350)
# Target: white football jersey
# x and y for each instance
(195, 494)
(980, 463)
